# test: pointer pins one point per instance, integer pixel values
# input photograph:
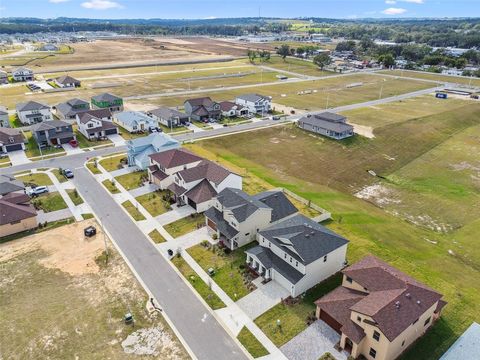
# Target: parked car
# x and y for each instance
(90, 231)
(3, 155)
(38, 191)
(275, 117)
(67, 173)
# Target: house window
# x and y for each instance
(426, 322)
(247, 234)
(11, 139)
(403, 342)
(415, 322)
(269, 244)
(376, 335)
(325, 258)
(291, 260)
(285, 256)
(349, 279)
(372, 352)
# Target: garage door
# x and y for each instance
(192, 204)
(211, 224)
(13, 147)
(110, 131)
(65, 140)
(334, 324)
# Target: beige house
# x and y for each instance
(16, 214)
(379, 311)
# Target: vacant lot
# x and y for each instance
(297, 66)
(322, 171)
(433, 76)
(60, 301)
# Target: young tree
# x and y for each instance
(284, 51)
(322, 60)
(252, 55)
(387, 60)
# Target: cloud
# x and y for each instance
(101, 5)
(57, 1)
(390, 2)
(394, 11)
(414, 1)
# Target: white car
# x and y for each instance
(38, 191)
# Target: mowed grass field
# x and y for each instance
(432, 76)
(328, 173)
(295, 65)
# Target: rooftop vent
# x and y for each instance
(397, 304)
(407, 295)
(418, 302)
(312, 232)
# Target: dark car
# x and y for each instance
(68, 173)
(90, 231)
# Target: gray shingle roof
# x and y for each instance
(48, 125)
(106, 97)
(66, 79)
(278, 201)
(205, 170)
(10, 184)
(222, 226)
(86, 115)
(303, 239)
(252, 97)
(239, 203)
(328, 121)
(67, 108)
(31, 105)
(167, 113)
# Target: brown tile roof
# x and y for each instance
(176, 189)
(201, 192)
(205, 170)
(16, 198)
(393, 299)
(13, 211)
(173, 158)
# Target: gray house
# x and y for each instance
(3, 77)
(72, 107)
(55, 132)
(168, 117)
(201, 109)
(4, 117)
(328, 124)
(66, 81)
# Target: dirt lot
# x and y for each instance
(60, 301)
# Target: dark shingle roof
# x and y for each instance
(14, 209)
(7, 133)
(205, 170)
(97, 113)
(48, 125)
(9, 184)
(67, 108)
(278, 201)
(303, 239)
(201, 192)
(31, 105)
(222, 226)
(167, 113)
(328, 121)
(173, 158)
(66, 79)
(106, 97)
(239, 203)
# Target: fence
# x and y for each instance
(324, 214)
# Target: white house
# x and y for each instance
(135, 121)
(256, 104)
(230, 109)
(4, 121)
(236, 217)
(22, 74)
(32, 112)
(95, 124)
(297, 253)
(3, 77)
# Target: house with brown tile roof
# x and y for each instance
(378, 310)
(16, 214)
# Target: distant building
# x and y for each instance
(49, 47)
(201, 109)
(452, 72)
(256, 104)
(69, 109)
(107, 101)
(139, 149)
(11, 140)
(328, 124)
(32, 112)
(23, 74)
(3, 77)
(135, 121)
(67, 81)
(168, 117)
(4, 118)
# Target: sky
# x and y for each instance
(204, 9)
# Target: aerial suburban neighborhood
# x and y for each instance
(234, 181)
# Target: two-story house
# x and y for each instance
(69, 109)
(11, 140)
(96, 124)
(255, 103)
(23, 74)
(297, 253)
(328, 124)
(107, 101)
(168, 117)
(236, 217)
(378, 310)
(66, 81)
(4, 118)
(32, 112)
(201, 109)
(54, 132)
(140, 149)
(135, 121)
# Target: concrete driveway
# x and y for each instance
(18, 157)
(313, 342)
(175, 214)
(116, 139)
(70, 150)
(261, 300)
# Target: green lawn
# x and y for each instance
(228, 268)
(87, 216)
(59, 176)
(32, 150)
(185, 225)
(49, 202)
(157, 237)
(153, 202)
(75, 197)
(113, 163)
(91, 166)
(35, 178)
(83, 142)
(251, 343)
(124, 133)
(298, 66)
(132, 180)
(432, 76)
(202, 289)
(14, 121)
(133, 211)
(111, 186)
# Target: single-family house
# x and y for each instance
(328, 124)
(467, 346)
(230, 109)
(32, 112)
(8, 184)
(107, 101)
(95, 124)
(11, 140)
(168, 117)
(69, 109)
(54, 132)
(23, 74)
(66, 81)
(197, 186)
(236, 217)
(201, 109)
(16, 214)
(3, 77)
(255, 103)
(135, 121)
(297, 253)
(49, 47)
(164, 164)
(378, 310)
(4, 118)
(140, 149)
